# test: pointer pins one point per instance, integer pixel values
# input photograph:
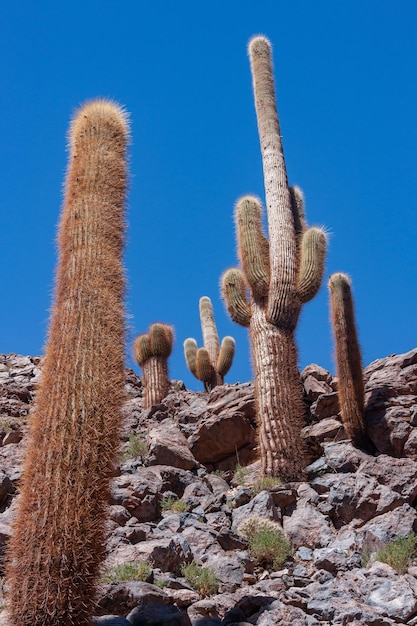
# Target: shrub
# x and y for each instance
(239, 475)
(135, 447)
(265, 483)
(202, 579)
(138, 570)
(172, 504)
(399, 553)
(267, 543)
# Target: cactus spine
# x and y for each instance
(280, 274)
(349, 361)
(151, 352)
(211, 363)
(58, 540)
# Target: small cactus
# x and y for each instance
(211, 363)
(349, 361)
(151, 351)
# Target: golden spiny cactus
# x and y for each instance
(151, 351)
(351, 390)
(211, 363)
(279, 274)
(58, 540)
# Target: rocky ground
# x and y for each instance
(179, 499)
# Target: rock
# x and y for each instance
(326, 405)
(261, 506)
(355, 497)
(158, 614)
(168, 446)
(219, 436)
(353, 504)
(125, 596)
(314, 388)
(111, 620)
(390, 400)
(328, 429)
(307, 526)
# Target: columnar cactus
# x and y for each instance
(349, 361)
(151, 351)
(281, 274)
(59, 540)
(211, 363)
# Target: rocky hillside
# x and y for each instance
(181, 550)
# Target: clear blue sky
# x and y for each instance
(347, 98)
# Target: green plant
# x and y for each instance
(277, 277)
(168, 503)
(211, 363)
(202, 579)
(350, 390)
(399, 553)
(240, 474)
(267, 543)
(136, 447)
(264, 483)
(366, 556)
(138, 570)
(151, 351)
(59, 535)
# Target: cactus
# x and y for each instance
(277, 276)
(211, 363)
(349, 361)
(151, 352)
(59, 539)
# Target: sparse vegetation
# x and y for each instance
(265, 483)
(399, 553)
(135, 447)
(267, 543)
(138, 570)
(168, 503)
(240, 474)
(366, 557)
(202, 579)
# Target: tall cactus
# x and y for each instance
(349, 361)
(211, 363)
(58, 541)
(281, 274)
(151, 351)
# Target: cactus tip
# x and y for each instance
(259, 44)
(98, 109)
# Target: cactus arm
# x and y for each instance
(190, 353)
(161, 338)
(226, 354)
(282, 308)
(208, 329)
(253, 247)
(312, 258)
(297, 205)
(234, 294)
(204, 369)
(142, 349)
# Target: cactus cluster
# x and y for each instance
(151, 351)
(58, 541)
(210, 363)
(277, 275)
(59, 538)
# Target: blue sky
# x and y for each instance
(346, 89)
